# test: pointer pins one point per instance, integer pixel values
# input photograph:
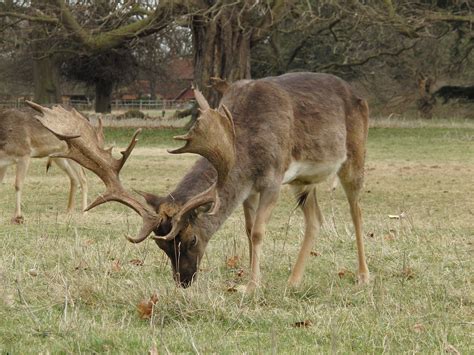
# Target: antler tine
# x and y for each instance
(86, 147)
(213, 137)
(126, 153)
(201, 100)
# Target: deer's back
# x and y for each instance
(21, 134)
(297, 117)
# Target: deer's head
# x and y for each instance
(212, 136)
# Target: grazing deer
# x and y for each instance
(22, 137)
(295, 129)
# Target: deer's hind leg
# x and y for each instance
(21, 170)
(307, 201)
(351, 176)
(64, 165)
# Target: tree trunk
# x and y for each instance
(103, 96)
(45, 69)
(152, 86)
(221, 49)
(46, 80)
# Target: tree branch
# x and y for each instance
(42, 19)
(366, 60)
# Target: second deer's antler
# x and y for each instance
(86, 147)
(212, 136)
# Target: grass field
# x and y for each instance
(71, 284)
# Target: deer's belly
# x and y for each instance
(308, 172)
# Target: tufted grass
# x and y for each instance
(67, 284)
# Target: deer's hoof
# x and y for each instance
(363, 278)
(294, 282)
(17, 220)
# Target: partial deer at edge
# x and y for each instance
(22, 137)
(297, 129)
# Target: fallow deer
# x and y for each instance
(295, 129)
(22, 137)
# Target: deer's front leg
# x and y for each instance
(250, 211)
(268, 199)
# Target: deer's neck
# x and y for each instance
(198, 179)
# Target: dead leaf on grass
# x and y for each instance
(33, 272)
(418, 328)
(233, 262)
(341, 273)
(136, 262)
(153, 350)
(303, 324)
(232, 289)
(408, 273)
(82, 266)
(145, 307)
(451, 350)
(116, 265)
(88, 242)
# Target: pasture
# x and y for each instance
(72, 283)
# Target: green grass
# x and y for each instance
(420, 299)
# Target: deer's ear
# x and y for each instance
(152, 200)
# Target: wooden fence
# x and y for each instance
(122, 105)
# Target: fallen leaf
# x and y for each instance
(451, 350)
(116, 266)
(33, 272)
(233, 262)
(303, 324)
(153, 350)
(88, 242)
(407, 273)
(315, 253)
(397, 216)
(136, 262)
(344, 273)
(82, 266)
(145, 308)
(418, 328)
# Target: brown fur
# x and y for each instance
(299, 117)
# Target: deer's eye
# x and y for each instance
(193, 241)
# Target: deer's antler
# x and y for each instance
(213, 137)
(86, 147)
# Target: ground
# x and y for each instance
(74, 284)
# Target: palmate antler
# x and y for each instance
(213, 137)
(86, 146)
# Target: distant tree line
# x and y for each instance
(105, 43)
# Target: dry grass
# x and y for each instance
(72, 284)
